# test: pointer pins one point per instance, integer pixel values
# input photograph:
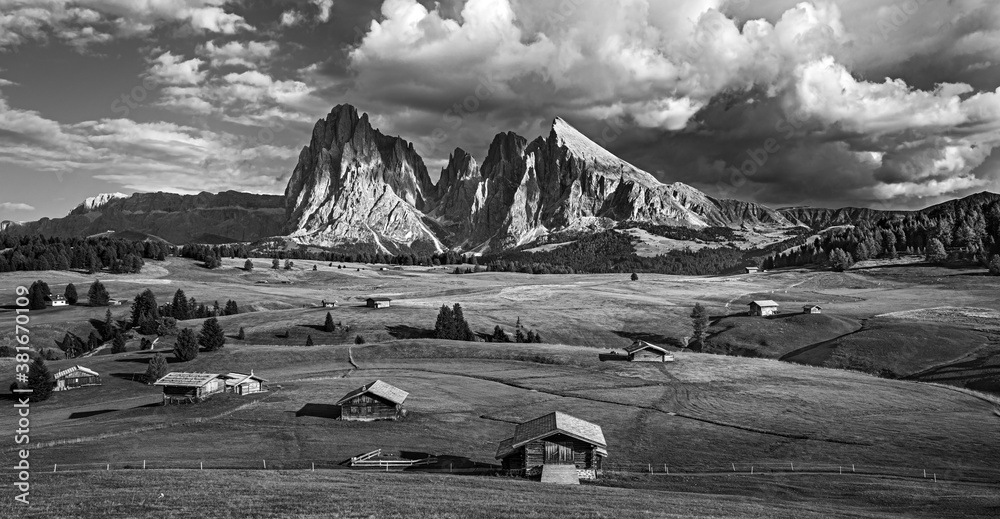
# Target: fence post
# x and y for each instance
(751, 469)
(143, 464)
(852, 468)
(841, 469)
(202, 466)
(314, 466)
(650, 468)
(935, 478)
(925, 473)
(792, 464)
(734, 467)
(54, 467)
(265, 464)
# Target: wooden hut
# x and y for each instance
(242, 384)
(763, 308)
(329, 304)
(51, 300)
(642, 351)
(375, 401)
(179, 388)
(812, 309)
(378, 302)
(751, 270)
(554, 439)
(75, 377)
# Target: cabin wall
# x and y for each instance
(547, 450)
(367, 407)
(646, 356)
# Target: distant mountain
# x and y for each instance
(817, 218)
(354, 185)
(229, 216)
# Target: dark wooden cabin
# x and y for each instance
(642, 351)
(375, 401)
(558, 439)
(179, 388)
(242, 384)
(75, 377)
(378, 302)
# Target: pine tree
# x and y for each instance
(309, 340)
(635, 277)
(231, 308)
(39, 380)
(98, 295)
(538, 338)
(444, 324)
(328, 325)
(118, 343)
(180, 308)
(93, 341)
(531, 336)
(275, 264)
(359, 340)
(145, 344)
(144, 311)
(994, 265)
(248, 265)
(37, 294)
(109, 326)
(156, 369)
(935, 251)
(461, 331)
(211, 337)
(186, 347)
(699, 323)
(519, 336)
(242, 335)
(840, 260)
(71, 296)
(499, 335)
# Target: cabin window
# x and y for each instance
(368, 409)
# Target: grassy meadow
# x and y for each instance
(703, 415)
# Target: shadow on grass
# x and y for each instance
(145, 360)
(652, 338)
(134, 377)
(410, 332)
(446, 463)
(86, 414)
(331, 412)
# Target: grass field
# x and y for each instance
(703, 413)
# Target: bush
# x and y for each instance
(994, 265)
(635, 277)
(359, 340)
(71, 296)
(156, 369)
(241, 335)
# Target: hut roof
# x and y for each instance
(506, 448)
(379, 299)
(379, 389)
(558, 422)
(643, 345)
(67, 371)
(186, 379)
(766, 303)
(812, 306)
(235, 379)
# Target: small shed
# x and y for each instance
(752, 270)
(114, 302)
(378, 302)
(812, 309)
(642, 351)
(376, 401)
(763, 308)
(52, 300)
(554, 439)
(242, 384)
(75, 377)
(181, 388)
(329, 304)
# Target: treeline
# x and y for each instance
(210, 254)
(115, 255)
(962, 230)
(612, 252)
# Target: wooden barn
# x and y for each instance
(752, 270)
(242, 384)
(75, 377)
(378, 302)
(180, 388)
(812, 309)
(763, 308)
(554, 439)
(375, 401)
(642, 351)
(329, 304)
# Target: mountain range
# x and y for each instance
(353, 185)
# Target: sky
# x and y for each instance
(875, 103)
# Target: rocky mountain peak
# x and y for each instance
(96, 202)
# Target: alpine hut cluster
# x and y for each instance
(181, 388)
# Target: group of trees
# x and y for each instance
(451, 324)
(210, 253)
(39, 381)
(961, 230)
(39, 292)
(116, 255)
(183, 308)
(211, 338)
(499, 335)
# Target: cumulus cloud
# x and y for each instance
(15, 206)
(693, 71)
(244, 54)
(171, 70)
(86, 22)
